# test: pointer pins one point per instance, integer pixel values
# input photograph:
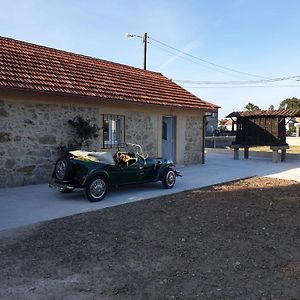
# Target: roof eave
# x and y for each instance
(108, 100)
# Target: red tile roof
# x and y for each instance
(266, 113)
(26, 66)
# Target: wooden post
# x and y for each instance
(246, 152)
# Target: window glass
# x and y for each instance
(113, 131)
(164, 131)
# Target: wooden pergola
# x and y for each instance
(262, 128)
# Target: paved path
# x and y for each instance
(30, 204)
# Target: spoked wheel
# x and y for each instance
(168, 179)
(63, 169)
(96, 189)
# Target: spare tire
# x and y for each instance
(63, 169)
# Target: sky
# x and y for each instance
(251, 36)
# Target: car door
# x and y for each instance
(116, 176)
(134, 173)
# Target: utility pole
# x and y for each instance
(145, 40)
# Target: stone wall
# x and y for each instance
(141, 128)
(193, 140)
(29, 137)
(30, 134)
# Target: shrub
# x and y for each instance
(84, 131)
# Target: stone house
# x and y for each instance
(42, 88)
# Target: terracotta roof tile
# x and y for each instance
(38, 68)
(266, 113)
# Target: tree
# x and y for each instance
(250, 106)
(83, 133)
(223, 128)
(271, 107)
(290, 103)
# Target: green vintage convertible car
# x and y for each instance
(96, 171)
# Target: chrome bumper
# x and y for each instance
(177, 173)
(60, 186)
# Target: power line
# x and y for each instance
(212, 66)
(206, 61)
(193, 61)
(297, 78)
(243, 86)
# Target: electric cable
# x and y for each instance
(297, 77)
(206, 61)
(214, 67)
(243, 86)
(197, 62)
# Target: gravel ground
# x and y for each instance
(239, 240)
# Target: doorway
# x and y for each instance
(169, 138)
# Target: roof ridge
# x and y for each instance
(76, 54)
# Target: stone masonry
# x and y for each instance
(140, 129)
(193, 140)
(31, 133)
(29, 137)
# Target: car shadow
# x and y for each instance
(128, 191)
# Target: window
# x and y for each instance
(113, 131)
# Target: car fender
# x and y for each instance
(162, 169)
(101, 173)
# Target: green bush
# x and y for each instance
(84, 131)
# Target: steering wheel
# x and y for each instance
(140, 156)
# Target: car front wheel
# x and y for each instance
(168, 179)
(95, 189)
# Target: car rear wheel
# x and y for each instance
(168, 179)
(95, 189)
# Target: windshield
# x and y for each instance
(134, 149)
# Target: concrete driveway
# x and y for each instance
(30, 204)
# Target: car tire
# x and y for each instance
(168, 179)
(63, 169)
(95, 188)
